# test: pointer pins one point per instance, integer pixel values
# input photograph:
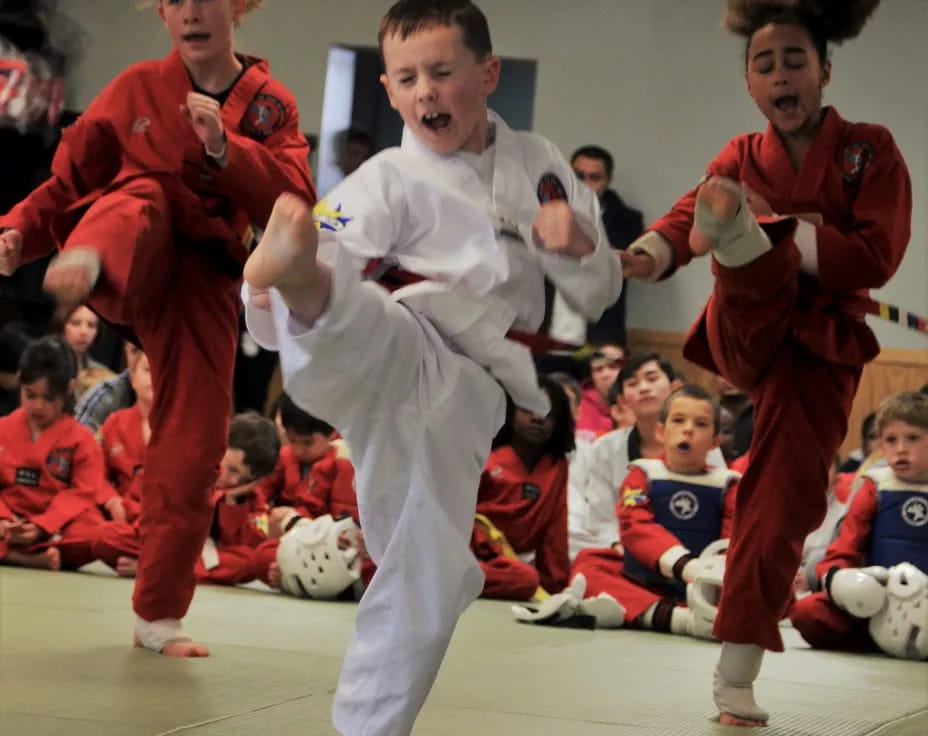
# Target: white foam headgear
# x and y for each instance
(310, 561)
(901, 627)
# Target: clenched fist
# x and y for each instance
(205, 115)
(556, 230)
(11, 249)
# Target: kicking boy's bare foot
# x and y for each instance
(71, 277)
(286, 260)
(273, 575)
(166, 637)
(126, 567)
(47, 559)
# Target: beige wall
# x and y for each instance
(656, 81)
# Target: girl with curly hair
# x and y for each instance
(801, 221)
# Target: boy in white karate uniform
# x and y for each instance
(412, 379)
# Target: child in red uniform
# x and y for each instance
(51, 467)
(523, 490)
(886, 524)
(308, 442)
(801, 220)
(670, 510)
(311, 479)
(228, 556)
(505, 576)
(124, 435)
(152, 194)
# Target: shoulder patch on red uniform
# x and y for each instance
(551, 188)
(854, 159)
(266, 115)
(633, 497)
(530, 492)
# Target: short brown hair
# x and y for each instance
(910, 407)
(694, 392)
(257, 438)
(407, 17)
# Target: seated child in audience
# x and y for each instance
(885, 525)
(228, 557)
(523, 489)
(80, 331)
(595, 416)
(727, 436)
(506, 577)
(813, 549)
(737, 402)
(308, 441)
(671, 509)
(645, 383)
(869, 438)
(108, 396)
(51, 467)
(578, 467)
(124, 436)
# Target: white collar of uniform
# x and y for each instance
(514, 196)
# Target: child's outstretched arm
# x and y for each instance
(666, 241)
(87, 159)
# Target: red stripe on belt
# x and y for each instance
(394, 277)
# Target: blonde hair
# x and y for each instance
(247, 5)
(909, 407)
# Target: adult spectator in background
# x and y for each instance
(358, 147)
(593, 165)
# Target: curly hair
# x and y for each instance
(827, 21)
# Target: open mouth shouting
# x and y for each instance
(195, 38)
(436, 121)
(787, 104)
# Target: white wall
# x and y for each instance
(658, 82)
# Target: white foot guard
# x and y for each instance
(155, 635)
(740, 240)
(733, 685)
(736, 700)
